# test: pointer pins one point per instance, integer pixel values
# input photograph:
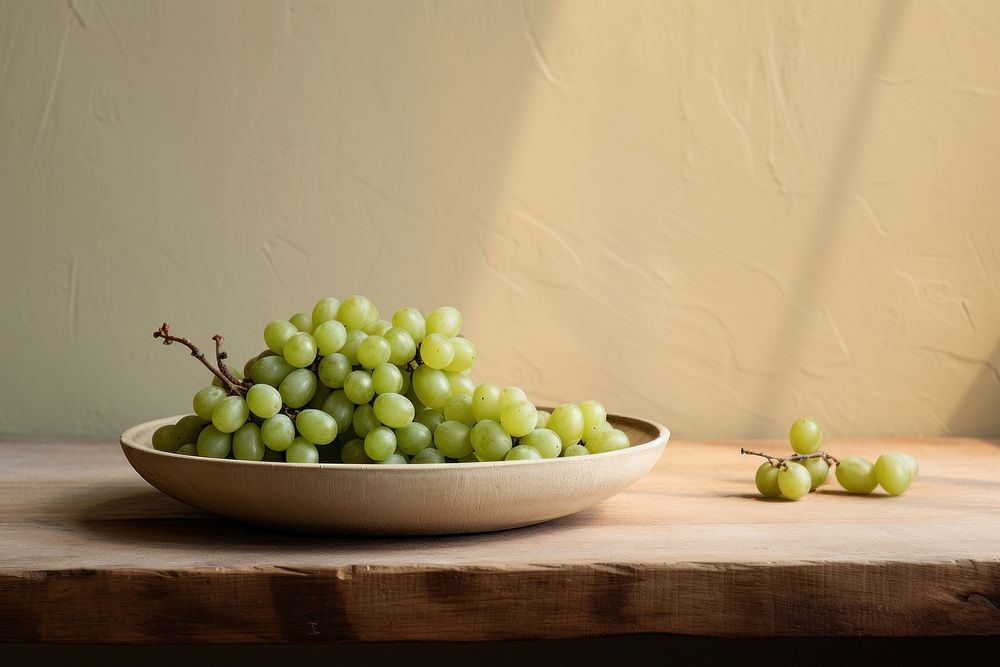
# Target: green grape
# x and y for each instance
(893, 473)
(805, 436)
(594, 415)
(302, 322)
(412, 321)
(358, 387)
(300, 350)
(334, 369)
(276, 333)
(377, 328)
(213, 443)
(190, 449)
(912, 462)
(365, 420)
(766, 480)
(164, 439)
(543, 419)
(272, 455)
(458, 408)
(428, 455)
(380, 443)
(271, 370)
(374, 351)
(489, 440)
(465, 355)
(567, 422)
(264, 400)
(519, 418)
(341, 408)
(330, 336)
(460, 383)
(319, 396)
(231, 413)
(793, 480)
(453, 439)
(357, 312)
(437, 351)
(298, 388)
(856, 475)
(445, 320)
(486, 402)
(248, 366)
(354, 452)
(277, 432)
(575, 450)
(413, 437)
(546, 442)
(187, 429)
(596, 433)
(387, 379)
(325, 310)
(316, 426)
(206, 400)
(401, 344)
(248, 445)
(351, 345)
(608, 441)
(523, 453)
(302, 451)
(394, 460)
(511, 395)
(470, 458)
(818, 469)
(429, 418)
(394, 410)
(404, 388)
(431, 386)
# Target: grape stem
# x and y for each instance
(779, 461)
(220, 357)
(234, 386)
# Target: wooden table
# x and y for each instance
(89, 552)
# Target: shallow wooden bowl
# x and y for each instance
(374, 499)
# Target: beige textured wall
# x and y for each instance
(719, 215)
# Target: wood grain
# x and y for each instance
(89, 552)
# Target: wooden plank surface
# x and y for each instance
(90, 552)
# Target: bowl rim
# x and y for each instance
(130, 441)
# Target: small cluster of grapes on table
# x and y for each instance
(795, 475)
(343, 385)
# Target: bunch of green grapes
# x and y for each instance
(343, 385)
(795, 475)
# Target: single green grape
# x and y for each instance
(359, 387)
(316, 426)
(453, 439)
(766, 480)
(302, 451)
(510, 396)
(490, 440)
(394, 459)
(523, 453)
(298, 388)
(188, 428)
(470, 458)
(805, 436)
(794, 480)
(325, 310)
(460, 383)
(271, 370)
(856, 475)
(277, 432)
(413, 437)
(430, 418)
(365, 420)
(206, 400)
(818, 469)
(190, 449)
(437, 350)
(264, 400)
(341, 408)
(394, 410)
(912, 462)
(567, 422)
(374, 351)
(300, 350)
(380, 443)
(165, 440)
(213, 443)
(608, 441)
(428, 455)
(546, 442)
(353, 451)
(276, 333)
(401, 345)
(431, 386)
(357, 312)
(377, 328)
(486, 402)
(351, 345)
(464, 357)
(387, 379)
(445, 320)
(594, 415)
(893, 473)
(231, 413)
(519, 418)
(412, 321)
(575, 450)
(330, 337)
(458, 408)
(333, 370)
(302, 322)
(543, 419)
(248, 445)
